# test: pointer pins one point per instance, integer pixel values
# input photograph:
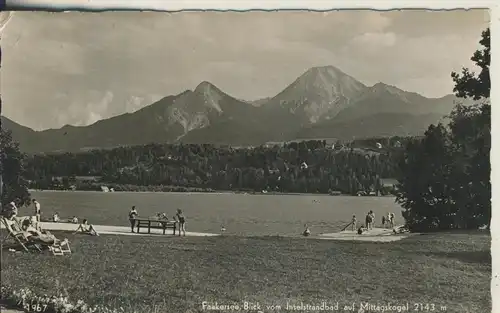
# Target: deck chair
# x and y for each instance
(60, 247)
(14, 231)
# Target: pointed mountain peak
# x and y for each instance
(326, 69)
(205, 86)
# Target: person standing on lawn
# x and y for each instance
(38, 212)
(132, 215)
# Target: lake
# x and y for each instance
(241, 214)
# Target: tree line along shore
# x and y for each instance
(356, 168)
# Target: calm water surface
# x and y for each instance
(240, 214)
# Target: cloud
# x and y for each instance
(374, 41)
(110, 63)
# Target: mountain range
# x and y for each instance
(324, 102)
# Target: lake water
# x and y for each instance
(241, 214)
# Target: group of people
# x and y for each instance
(32, 225)
(387, 221)
(179, 218)
(10, 211)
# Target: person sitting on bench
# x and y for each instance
(87, 228)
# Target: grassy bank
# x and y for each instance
(177, 274)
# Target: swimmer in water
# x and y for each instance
(306, 232)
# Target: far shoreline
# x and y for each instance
(219, 192)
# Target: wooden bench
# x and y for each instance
(153, 223)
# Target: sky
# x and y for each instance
(76, 68)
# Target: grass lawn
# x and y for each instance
(173, 274)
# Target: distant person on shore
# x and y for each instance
(361, 230)
(132, 215)
(391, 219)
(354, 223)
(307, 231)
(55, 218)
(182, 222)
(87, 228)
(369, 220)
(37, 211)
(373, 219)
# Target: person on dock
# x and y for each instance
(87, 228)
(383, 221)
(307, 231)
(132, 215)
(373, 219)
(369, 221)
(391, 219)
(361, 230)
(55, 217)
(354, 223)
(182, 222)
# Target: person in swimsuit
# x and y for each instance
(38, 212)
(33, 234)
(391, 219)
(354, 222)
(368, 221)
(361, 229)
(306, 232)
(182, 222)
(10, 210)
(87, 228)
(132, 215)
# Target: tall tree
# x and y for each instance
(15, 185)
(470, 85)
(471, 130)
(447, 184)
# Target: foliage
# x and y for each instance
(444, 179)
(15, 186)
(467, 84)
(352, 168)
(28, 300)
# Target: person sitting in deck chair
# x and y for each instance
(86, 228)
(10, 210)
(35, 235)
